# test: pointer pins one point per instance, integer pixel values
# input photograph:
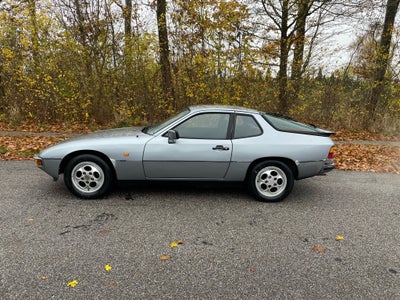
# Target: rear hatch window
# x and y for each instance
(286, 124)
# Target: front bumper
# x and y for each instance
(50, 166)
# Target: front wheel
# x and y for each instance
(88, 176)
(271, 181)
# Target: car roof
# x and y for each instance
(225, 108)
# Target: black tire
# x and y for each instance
(271, 181)
(88, 176)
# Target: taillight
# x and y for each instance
(331, 151)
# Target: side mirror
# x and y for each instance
(172, 136)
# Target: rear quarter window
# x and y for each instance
(246, 126)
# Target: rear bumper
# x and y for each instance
(328, 166)
(313, 168)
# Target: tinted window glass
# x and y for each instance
(246, 126)
(289, 125)
(204, 126)
(154, 129)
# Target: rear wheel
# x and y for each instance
(271, 181)
(88, 176)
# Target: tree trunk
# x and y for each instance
(165, 65)
(298, 52)
(80, 21)
(382, 61)
(127, 19)
(35, 33)
(127, 14)
(2, 89)
(283, 63)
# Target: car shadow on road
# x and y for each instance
(191, 188)
(303, 190)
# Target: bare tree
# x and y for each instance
(382, 62)
(289, 19)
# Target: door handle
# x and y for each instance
(220, 148)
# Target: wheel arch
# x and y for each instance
(99, 154)
(287, 161)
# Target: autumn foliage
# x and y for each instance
(373, 158)
(75, 62)
(75, 66)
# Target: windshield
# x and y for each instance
(154, 129)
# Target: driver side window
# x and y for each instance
(205, 126)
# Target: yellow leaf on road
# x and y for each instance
(72, 283)
(107, 268)
(173, 244)
(339, 238)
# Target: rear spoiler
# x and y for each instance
(324, 132)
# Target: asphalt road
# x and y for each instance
(233, 246)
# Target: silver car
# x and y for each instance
(202, 143)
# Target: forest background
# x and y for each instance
(134, 62)
(107, 63)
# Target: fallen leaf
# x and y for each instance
(72, 283)
(319, 249)
(252, 269)
(104, 231)
(107, 268)
(339, 238)
(180, 242)
(173, 244)
(42, 277)
(165, 257)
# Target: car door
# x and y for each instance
(202, 150)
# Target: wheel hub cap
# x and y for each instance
(271, 181)
(87, 177)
